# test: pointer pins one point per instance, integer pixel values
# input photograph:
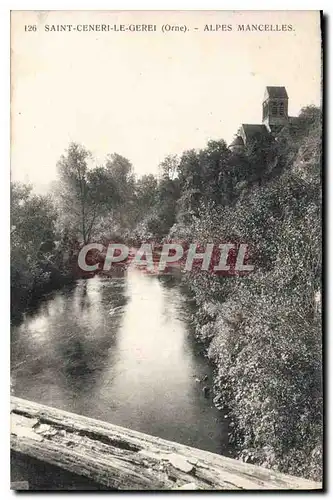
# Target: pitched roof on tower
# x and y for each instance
(277, 92)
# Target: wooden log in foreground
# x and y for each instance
(123, 459)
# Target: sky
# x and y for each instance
(145, 95)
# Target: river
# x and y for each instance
(120, 350)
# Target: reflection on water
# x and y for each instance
(119, 350)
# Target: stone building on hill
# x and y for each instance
(274, 118)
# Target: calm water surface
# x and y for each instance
(119, 350)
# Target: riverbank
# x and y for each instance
(263, 332)
(255, 383)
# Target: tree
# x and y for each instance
(32, 242)
(146, 195)
(83, 194)
(119, 171)
(169, 167)
(32, 222)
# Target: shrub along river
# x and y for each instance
(121, 350)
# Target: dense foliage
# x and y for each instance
(37, 258)
(263, 331)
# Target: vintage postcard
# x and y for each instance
(166, 279)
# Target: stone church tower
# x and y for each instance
(275, 109)
(274, 118)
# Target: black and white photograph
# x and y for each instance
(166, 250)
